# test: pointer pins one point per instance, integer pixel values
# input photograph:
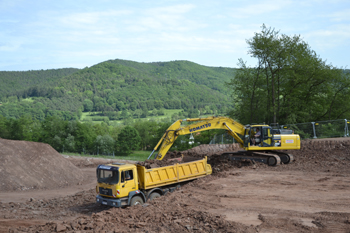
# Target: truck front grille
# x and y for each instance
(107, 192)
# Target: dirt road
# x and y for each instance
(310, 195)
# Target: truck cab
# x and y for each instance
(115, 183)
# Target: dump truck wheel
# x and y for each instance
(154, 196)
(136, 201)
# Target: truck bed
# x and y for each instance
(155, 177)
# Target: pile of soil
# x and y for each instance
(158, 163)
(321, 156)
(167, 162)
(32, 165)
(203, 150)
(93, 162)
(151, 217)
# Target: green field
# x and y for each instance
(30, 99)
(88, 116)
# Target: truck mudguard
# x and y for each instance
(155, 189)
(137, 192)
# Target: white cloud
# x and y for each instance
(91, 19)
(340, 16)
(172, 18)
(256, 9)
(329, 38)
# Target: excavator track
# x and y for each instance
(274, 158)
(285, 158)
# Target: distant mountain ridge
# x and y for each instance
(115, 86)
(12, 82)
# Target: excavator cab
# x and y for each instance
(258, 135)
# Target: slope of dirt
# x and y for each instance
(31, 165)
(203, 150)
(322, 155)
(308, 195)
(84, 162)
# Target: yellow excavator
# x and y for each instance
(258, 141)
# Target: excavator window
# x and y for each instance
(267, 136)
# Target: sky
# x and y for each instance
(46, 34)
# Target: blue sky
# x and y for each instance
(46, 34)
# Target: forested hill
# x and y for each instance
(115, 86)
(13, 83)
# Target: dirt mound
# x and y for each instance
(203, 150)
(158, 163)
(92, 162)
(321, 156)
(167, 161)
(32, 165)
(211, 149)
(178, 216)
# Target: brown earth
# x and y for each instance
(33, 165)
(312, 194)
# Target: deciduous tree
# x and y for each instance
(289, 84)
(128, 140)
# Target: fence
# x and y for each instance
(222, 139)
(317, 129)
(320, 129)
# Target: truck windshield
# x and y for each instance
(107, 176)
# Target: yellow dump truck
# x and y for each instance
(122, 184)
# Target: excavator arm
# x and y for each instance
(233, 127)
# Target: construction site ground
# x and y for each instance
(312, 194)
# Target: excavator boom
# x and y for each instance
(234, 128)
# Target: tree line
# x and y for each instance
(87, 138)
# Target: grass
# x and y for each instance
(134, 156)
(84, 115)
(167, 114)
(30, 99)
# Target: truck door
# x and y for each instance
(127, 182)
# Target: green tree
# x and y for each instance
(69, 143)
(148, 132)
(85, 137)
(289, 84)
(138, 113)
(128, 140)
(4, 130)
(54, 131)
(105, 144)
(144, 113)
(88, 105)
